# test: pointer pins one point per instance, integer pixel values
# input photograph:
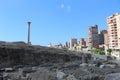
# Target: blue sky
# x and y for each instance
(53, 21)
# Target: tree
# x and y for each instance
(95, 51)
(98, 51)
(101, 52)
(109, 51)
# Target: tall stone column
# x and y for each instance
(29, 43)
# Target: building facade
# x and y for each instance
(106, 39)
(82, 42)
(66, 45)
(113, 23)
(87, 44)
(102, 37)
(73, 43)
(93, 37)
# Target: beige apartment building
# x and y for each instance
(106, 39)
(118, 29)
(114, 31)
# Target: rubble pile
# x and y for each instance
(19, 61)
(22, 54)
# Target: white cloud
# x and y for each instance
(62, 5)
(68, 8)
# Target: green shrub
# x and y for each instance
(98, 51)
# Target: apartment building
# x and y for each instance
(102, 37)
(113, 23)
(82, 42)
(73, 43)
(93, 37)
(87, 44)
(66, 45)
(106, 39)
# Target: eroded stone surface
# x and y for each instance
(42, 63)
